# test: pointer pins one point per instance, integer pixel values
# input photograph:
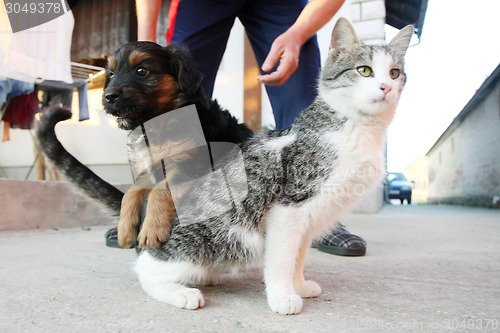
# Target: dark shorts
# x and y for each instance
(203, 26)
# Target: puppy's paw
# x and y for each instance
(308, 289)
(189, 298)
(127, 236)
(152, 235)
(286, 304)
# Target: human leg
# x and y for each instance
(204, 27)
(264, 21)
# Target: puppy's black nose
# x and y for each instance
(112, 95)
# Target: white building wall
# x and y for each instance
(368, 17)
(465, 167)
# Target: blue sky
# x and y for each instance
(460, 47)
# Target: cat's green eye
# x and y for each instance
(365, 71)
(394, 73)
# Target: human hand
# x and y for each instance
(286, 50)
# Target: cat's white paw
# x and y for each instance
(287, 304)
(308, 289)
(189, 298)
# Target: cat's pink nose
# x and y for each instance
(385, 88)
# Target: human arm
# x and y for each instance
(286, 47)
(147, 18)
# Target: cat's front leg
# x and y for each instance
(282, 242)
(305, 288)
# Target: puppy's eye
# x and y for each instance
(394, 73)
(365, 71)
(141, 71)
(111, 74)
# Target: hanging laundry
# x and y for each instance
(6, 132)
(5, 88)
(10, 88)
(42, 51)
(65, 96)
(83, 102)
(64, 90)
(21, 111)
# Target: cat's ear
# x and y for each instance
(399, 44)
(344, 37)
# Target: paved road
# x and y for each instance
(427, 269)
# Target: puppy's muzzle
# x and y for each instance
(112, 95)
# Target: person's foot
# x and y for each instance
(112, 237)
(341, 242)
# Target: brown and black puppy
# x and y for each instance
(143, 80)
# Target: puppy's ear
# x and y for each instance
(188, 76)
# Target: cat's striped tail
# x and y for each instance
(78, 174)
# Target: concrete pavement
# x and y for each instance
(427, 269)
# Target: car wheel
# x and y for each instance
(409, 201)
(402, 201)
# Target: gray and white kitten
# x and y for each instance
(299, 181)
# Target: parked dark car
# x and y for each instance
(398, 187)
